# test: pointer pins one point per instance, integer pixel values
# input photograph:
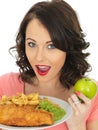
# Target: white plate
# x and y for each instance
(63, 104)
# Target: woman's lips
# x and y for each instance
(42, 69)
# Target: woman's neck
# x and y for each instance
(50, 88)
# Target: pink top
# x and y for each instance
(10, 84)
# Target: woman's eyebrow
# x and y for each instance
(48, 42)
(30, 39)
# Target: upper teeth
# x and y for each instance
(43, 67)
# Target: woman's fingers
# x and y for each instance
(79, 103)
(74, 102)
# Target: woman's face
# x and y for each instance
(45, 59)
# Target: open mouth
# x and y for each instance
(42, 69)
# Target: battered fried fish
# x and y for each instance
(26, 115)
(22, 110)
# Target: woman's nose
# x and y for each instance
(40, 55)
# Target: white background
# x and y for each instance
(12, 12)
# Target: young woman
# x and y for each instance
(50, 48)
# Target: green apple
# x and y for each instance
(86, 86)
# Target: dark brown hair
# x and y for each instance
(62, 23)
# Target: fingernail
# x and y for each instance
(77, 93)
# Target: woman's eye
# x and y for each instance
(51, 46)
(31, 44)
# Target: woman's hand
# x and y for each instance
(80, 109)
